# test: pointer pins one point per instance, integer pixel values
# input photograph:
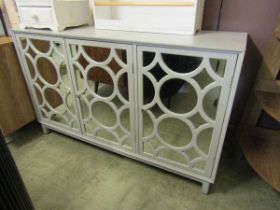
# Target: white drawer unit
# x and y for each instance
(156, 16)
(161, 99)
(53, 14)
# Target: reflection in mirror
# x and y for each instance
(104, 114)
(30, 67)
(151, 145)
(125, 119)
(102, 81)
(41, 45)
(148, 58)
(79, 78)
(178, 96)
(192, 154)
(122, 55)
(204, 140)
(31, 53)
(218, 65)
(53, 98)
(123, 86)
(148, 90)
(114, 66)
(200, 165)
(59, 119)
(197, 120)
(203, 79)
(23, 42)
(172, 155)
(106, 135)
(38, 95)
(181, 63)
(174, 132)
(97, 54)
(210, 102)
(127, 142)
(148, 126)
(70, 103)
(47, 70)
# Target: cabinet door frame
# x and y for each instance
(131, 87)
(217, 124)
(30, 82)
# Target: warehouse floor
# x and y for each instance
(65, 174)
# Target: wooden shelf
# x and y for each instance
(270, 102)
(264, 157)
(139, 3)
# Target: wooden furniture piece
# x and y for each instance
(184, 16)
(15, 104)
(261, 145)
(185, 138)
(53, 14)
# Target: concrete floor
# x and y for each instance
(65, 174)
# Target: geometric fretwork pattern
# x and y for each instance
(46, 69)
(103, 84)
(179, 97)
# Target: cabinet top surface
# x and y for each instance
(211, 40)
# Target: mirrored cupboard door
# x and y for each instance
(103, 80)
(49, 78)
(182, 98)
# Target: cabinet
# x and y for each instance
(184, 16)
(12, 116)
(161, 99)
(53, 14)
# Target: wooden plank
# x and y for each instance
(15, 105)
(144, 4)
(263, 156)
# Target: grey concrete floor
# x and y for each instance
(65, 174)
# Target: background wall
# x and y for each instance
(256, 17)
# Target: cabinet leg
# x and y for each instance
(205, 187)
(45, 129)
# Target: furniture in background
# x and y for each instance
(185, 138)
(259, 137)
(54, 14)
(184, 16)
(10, 14)
(15, 104)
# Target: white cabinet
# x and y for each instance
(156, 16)
(147, 97)
(53, 14)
